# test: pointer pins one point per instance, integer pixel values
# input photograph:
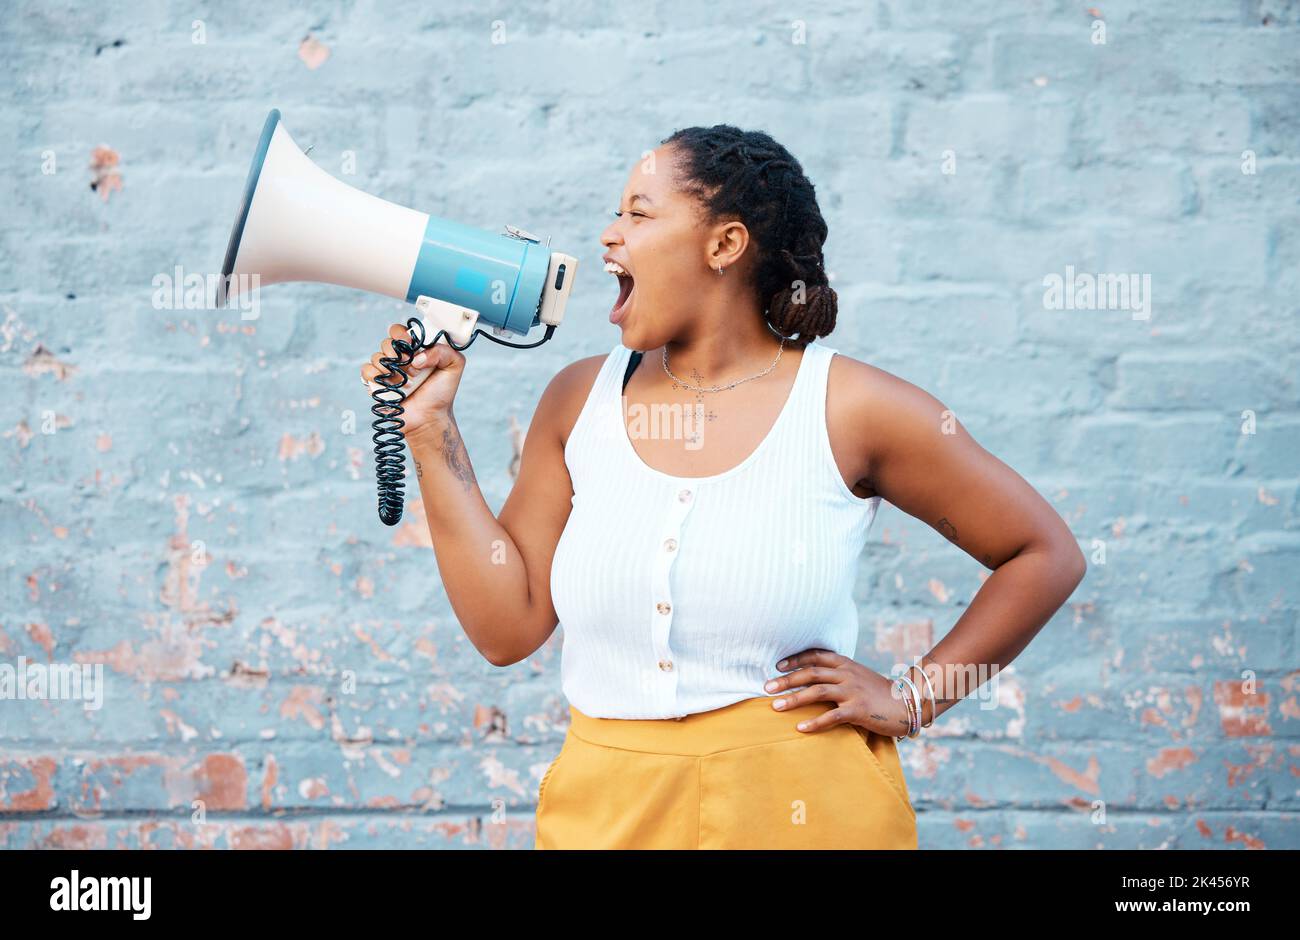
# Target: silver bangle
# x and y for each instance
(914, 718)
(934, 712)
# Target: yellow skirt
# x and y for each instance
(737, 777)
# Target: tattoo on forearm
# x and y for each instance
(947, 528)
(453, 451)
(419, 471)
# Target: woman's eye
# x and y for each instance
(619, 215)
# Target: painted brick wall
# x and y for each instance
(185, 502)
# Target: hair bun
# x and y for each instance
(813, 317)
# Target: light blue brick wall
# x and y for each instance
(129, 435)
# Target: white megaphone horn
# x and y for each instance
(298, 223)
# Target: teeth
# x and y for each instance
(613, 267)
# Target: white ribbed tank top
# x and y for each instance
(679, 595)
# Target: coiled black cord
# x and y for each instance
(390, 443)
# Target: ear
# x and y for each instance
(727, 244)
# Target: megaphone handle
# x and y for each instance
(389, 389)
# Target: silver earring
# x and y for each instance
(719, 269)
(776, 332)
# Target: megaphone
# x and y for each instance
(296, 222)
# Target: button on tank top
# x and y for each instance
(679, 595)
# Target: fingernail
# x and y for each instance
(802, 725)
(771, 686)
(779, 703)
(421, 359)
(781, 664)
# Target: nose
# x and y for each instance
(610, 236)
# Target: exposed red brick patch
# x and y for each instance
(176, 652)
(177, 726)
(175, 656)
(1169, 759)
(367, 638)
(1241, 714)
(260, 837)
(222, 782)
(42, 637)
(313, 52)
(302, 702)
(268, 781)
(40, 361)
(1251, 842)
(291, 448)
(22, 431)
(40, 796)
(1204, 829)
(1087, 782)
(1195, 698)
(1152, 717)
(1261, 755)
(77, 837)
(104, 164)
(1073, 705)
(313, 788)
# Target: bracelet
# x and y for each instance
(900, 691)
(913, 719)
(916, 694)
(933, 700)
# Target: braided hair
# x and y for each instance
(747, 175)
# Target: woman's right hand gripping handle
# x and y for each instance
(431, 382)
(497, 583)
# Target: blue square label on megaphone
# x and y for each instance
(471, 282)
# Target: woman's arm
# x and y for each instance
(496, 569)
(922, 460)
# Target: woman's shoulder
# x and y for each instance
(864, 397)
(567, 392)
(863, 385)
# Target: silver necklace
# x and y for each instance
(720, 388)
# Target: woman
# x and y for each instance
(690, 566)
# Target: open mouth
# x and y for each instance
(626, 286)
